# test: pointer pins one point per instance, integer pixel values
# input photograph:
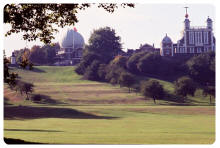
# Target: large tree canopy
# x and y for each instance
(40, 20)
(202, 68)
(105, 42)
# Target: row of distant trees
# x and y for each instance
(101, 63)
(38, 55)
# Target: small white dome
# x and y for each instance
(166, 39)
(70, 38)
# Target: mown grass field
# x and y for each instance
(78, 111)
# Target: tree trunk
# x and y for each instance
(27, 96)
(154, 100)
(210, 99)
(129, 89)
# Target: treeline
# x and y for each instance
(100, 63)
(38, 55)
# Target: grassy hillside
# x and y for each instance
(88, 112)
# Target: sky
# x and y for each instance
(146, 23)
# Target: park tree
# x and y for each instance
(185, 86)
(43, 55)
(126, 79)
(103, 46)
(209, 90)
(24, 88)
(37, 55)
(20, 53)
(149, 63)
(92, 71)
(202, 68)
(25, 59)
(120, 61)
(6, 68)
(153, 89)
(40, 21)
(133, 61)
(113, 74)
(102, 72)
(88, 58)
(105, 42)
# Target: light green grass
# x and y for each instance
(140, 122)
(130, 128)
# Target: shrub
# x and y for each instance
(153, 89)
(185, 86)
(126, 79)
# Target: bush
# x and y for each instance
(87, 59)
(185, 86)
(113, 73)
(126, 79)
(202, 68)
(133, 61)
(153, 89)
(24, 87)
(149, 63)
(102, 72)
(92, 71)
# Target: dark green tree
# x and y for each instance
(38, 55)
(24, 88)
(120, 61)
(102, 72)
(113, 73)
(209, 90)
(88, 58)
(133, 61)
(127, 80)
(6, 69)
(149, 63)
(92, 71)
(104, 42)
(41, 20)
(153, 89)
(185, 86)
(202, 68)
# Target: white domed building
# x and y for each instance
(166, 47)
(71, 47)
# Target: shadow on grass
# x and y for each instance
(29, 112)
(176, 100)
(18, 141)
(35, 69)
(31, 130)
(44, 99)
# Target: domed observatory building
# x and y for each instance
(166, 47)
(71, 48)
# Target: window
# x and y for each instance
(200, 37)
(206, 38)
(191, 50)
(198, 50)
(191, 37)
(196, 37)
(206, 49)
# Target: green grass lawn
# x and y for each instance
(89, 112)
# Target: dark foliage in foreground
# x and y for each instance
(39, 21)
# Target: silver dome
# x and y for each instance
(166, 39)
(70, 38)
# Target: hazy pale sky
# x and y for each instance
(146, 23)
